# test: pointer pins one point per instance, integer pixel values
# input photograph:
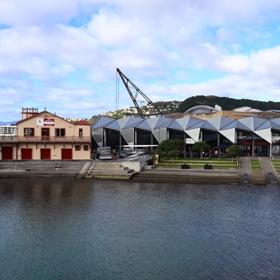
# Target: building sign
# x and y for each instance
(48, 122)
(45, 122)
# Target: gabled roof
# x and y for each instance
(81, 122)
(41, 113)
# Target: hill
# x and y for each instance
(226, 103)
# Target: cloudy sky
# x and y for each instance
(62, 54)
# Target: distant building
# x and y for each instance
(201, 109)
(247, 109)
(46, 136)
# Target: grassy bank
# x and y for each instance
(199, 163)
(256, 165)
(276, 165)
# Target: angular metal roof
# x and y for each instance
(252, 122)
(275, 123)
(175, 125)
(265, 125)
(114, 125)
(221, 122)
(189, 122)
(144, 125)
(129, 122)
(159, 122)
(192, 126)
(208, 125)
(102, 121)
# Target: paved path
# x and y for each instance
(48, 168)
(245, 170)
(268, 170)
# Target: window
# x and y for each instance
(45, 132)
(7, 130)
(85, 147)
(80, 132)
(28, 131)
(60, 132)
(77, 147)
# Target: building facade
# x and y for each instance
(8, 137)
(257, 133)
(46, 136)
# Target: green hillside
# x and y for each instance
(226, 103)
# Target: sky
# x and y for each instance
(62, 55)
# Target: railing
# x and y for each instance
(44, 139)
(8, 139)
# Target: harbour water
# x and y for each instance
(81, 229)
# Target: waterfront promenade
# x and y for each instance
(132, 170)
(40, 168)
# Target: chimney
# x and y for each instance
(28, 112)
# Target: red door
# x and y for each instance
(7, 153)
(26, 154)
(66, 154)
(45, 154)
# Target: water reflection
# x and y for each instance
(81, 229)
(45, 190)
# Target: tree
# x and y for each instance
(233, 151)
(200, 147)
(173, 154)
(172, 147)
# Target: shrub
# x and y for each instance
(208, 166)
(173, 153)
(170, 146)
(233, 150)
(200, 147)
(185, 166)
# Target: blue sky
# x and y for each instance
(62, 54)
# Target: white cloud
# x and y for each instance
(24, 12)
(155, 42)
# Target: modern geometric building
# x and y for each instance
(257, 133)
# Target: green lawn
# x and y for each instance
(256, 165)
(199, 163)
(276, 164)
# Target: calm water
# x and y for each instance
(71, 229)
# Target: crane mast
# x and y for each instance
(128, 84)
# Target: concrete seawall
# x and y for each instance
(40, 168)
(190, 176)
(133, 170)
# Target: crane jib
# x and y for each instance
(128, 85)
